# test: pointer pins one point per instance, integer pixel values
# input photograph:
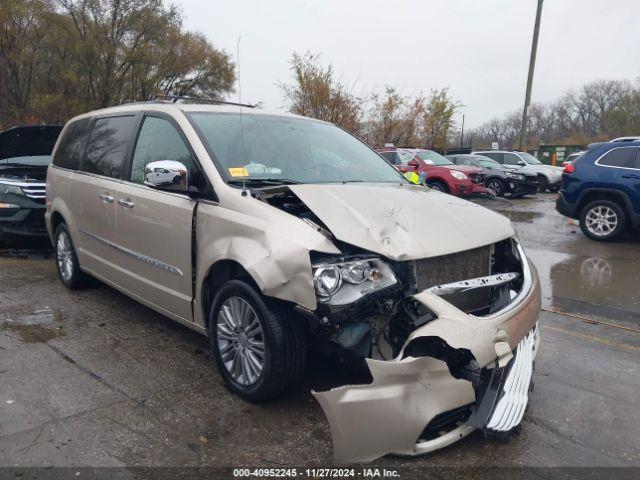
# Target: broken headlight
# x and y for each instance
(10, 188)
(346, 282)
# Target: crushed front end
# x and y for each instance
(449, 343)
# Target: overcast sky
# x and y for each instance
(478, 48)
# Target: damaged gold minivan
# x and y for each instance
(272, 233)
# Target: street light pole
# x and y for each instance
(462, 132)
(532, 66)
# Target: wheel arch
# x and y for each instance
(593, 194)
(217, 275)
(488, 178)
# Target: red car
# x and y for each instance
(441, 174)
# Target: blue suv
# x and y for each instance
(602, 190)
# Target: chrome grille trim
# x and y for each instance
(510, 408)
(35, 190)
(473, 283)
(527, 284)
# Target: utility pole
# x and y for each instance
(532, 66)
(462, 132)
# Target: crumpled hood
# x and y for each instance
(403, 222)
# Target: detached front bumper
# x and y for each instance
(526, 187)
(407, 394)
(467, 188)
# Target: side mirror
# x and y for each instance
(413, 163)
(167, 175)
(522, 163)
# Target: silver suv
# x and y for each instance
(269, 232)
(549, 177)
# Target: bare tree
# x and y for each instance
(61, 57)
(594, 112)
(438, 123)
(316, 93)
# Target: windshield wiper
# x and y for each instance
(262, 181)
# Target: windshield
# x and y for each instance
(488, 163)
(433, 158)
(292, 150)
(530, 159)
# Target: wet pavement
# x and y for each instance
(92, 378)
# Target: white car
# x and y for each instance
(550, 177)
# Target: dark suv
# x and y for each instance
(25, 154)
(602, 189)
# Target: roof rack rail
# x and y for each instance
(184, 98)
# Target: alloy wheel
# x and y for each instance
(240, 340)
(64, 254)
(496, 186)
(601, 221)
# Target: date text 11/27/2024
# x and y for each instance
(315, 473)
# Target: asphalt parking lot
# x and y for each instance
(91, 378)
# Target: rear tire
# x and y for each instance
(67, 263)
(603, 220)
(259, 347)
(438, 186)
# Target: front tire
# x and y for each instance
(438, 186)
(497, 186)
(543, 183)
(67, 263)
(603, 220)
(260, 349)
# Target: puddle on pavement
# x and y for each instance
(521, 216)
(37, 327)
(608, 282)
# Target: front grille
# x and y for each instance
(457, 267)
(476, 178)
(35, 191)
(454, 267)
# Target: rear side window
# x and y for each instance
(71, 145)
(494, 156)
(620, 157)
(108, 145)
(511, 159)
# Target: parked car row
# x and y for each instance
(440, 173)
(549, 177)
(497, 177)
(494, 172)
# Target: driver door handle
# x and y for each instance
(106, 198)
(126, 203)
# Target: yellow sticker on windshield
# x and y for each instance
(238, 172)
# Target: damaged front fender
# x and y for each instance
(407, 393)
